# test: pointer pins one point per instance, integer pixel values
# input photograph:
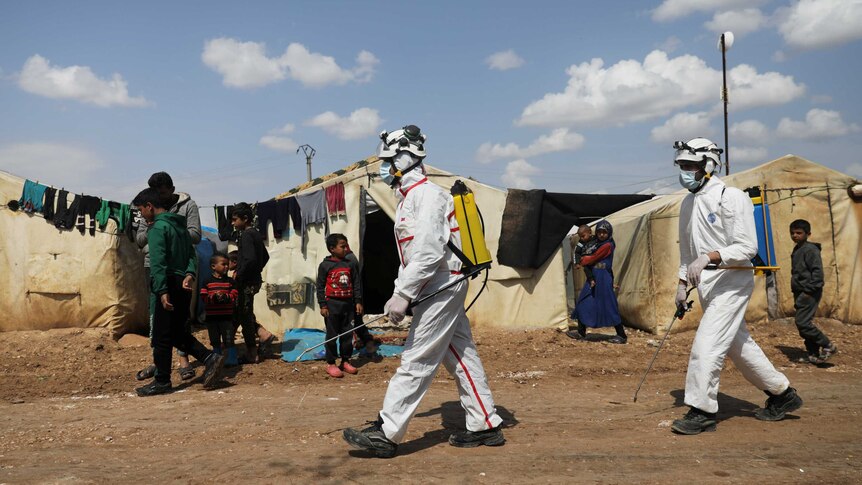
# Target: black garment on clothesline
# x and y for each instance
(65, 219)
(48, 205)
(265, 213)
(535, 221)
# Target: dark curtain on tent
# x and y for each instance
(535, 222)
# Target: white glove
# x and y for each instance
(695, 268)
(396, 308)
(680, 295)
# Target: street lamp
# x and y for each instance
(309, 152)
(724, 44)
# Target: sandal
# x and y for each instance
(264, 348)
(187, 373)
(147, 372)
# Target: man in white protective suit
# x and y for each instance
(716, 227)
(440, 333)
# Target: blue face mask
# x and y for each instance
(689, 180)
(385, 176)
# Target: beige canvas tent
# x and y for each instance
(647, 254)
(52, 278)
(514, 298)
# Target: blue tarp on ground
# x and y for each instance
(297, 340)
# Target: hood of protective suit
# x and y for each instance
(404, 160)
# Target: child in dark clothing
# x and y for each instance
(173, 265)
(806, 282)
(339, 294)
(252, 256)
(586, 246)
(219, 296)
(233, 259)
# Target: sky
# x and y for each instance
(567, 96)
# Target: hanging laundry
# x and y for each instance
(265, 213)
(88, 207)
(222, 216)
(281, 226)
(65, 216)
(113, 210)
(312, 207)
(31, 196)
(48, 205)
(295, 214)
(335, 200)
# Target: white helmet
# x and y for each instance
(698, 150)
(408, 139)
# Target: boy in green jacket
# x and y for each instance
(173, 266)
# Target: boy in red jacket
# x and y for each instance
(339, 294)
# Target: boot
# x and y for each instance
(154, 388)
(231, 357)
(371, 439)
(695, 421)
(778, 405)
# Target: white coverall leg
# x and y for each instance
(723, 333)
(440, 333)
(720, 218)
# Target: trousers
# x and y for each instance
(440, 333)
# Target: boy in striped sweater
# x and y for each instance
(219, 296)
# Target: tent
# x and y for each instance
(647, 254)
(53, 278)
(514, 297)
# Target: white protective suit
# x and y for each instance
(721, 218)
(440, 332)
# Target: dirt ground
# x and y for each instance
(69, 415)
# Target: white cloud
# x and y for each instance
(670, 44)
(246, 65)
(518, 173)
(359, 124)
(277, 140)
(855, 170)
(749, 131)
(58, 164)
(630, 91)
(814, 24)
(676, 9)
(683, 126)
(747, 155)
(559, 140)
(740, 22)
(504, 60)
(749, 89)
(819, 125)
(241, 64)
(38, 76)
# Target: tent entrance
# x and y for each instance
(379, 261)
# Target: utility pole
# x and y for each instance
(309, 152)
(724, 44)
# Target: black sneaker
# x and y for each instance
(371, 439)
(154, 389)
(618, 339)
(212, 373)
(827, 352)
(574, 334)
(472, 439)
(695, 421)
(778, 405)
